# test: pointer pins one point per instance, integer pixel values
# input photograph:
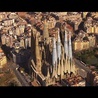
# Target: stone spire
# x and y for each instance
(54, 57)
(58, 46)
(62, 65)
(70, 46)
(32, 42)
(45, 31)
(70, 52)
(54, 54)
(37, 54)
(48, 73)
(59, 68)
(66, 44)
(66, 50)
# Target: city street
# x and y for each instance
(81, 66)
(21, 78)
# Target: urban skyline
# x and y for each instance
(49, 48)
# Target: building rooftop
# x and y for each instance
(74, 81)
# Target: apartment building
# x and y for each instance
(80, 45)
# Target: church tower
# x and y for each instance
(54, 58)
(45, 31)
(58, 52)
(58, 46)
(66, 54)
(37, 54)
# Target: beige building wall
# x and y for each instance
(92, 41)
(93, 30)
(84, 14)
(96, 29)
(85, 45)
(80, 45)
